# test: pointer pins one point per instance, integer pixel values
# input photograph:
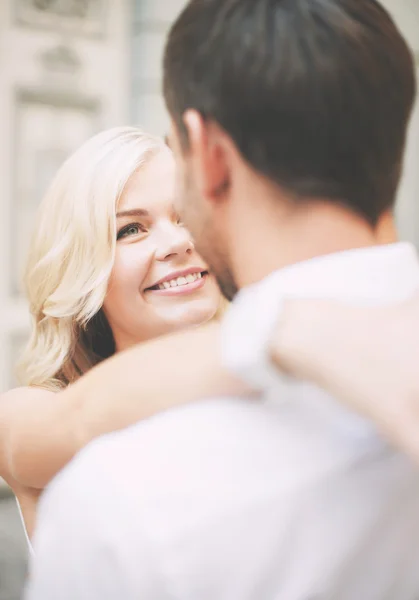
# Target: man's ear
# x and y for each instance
(208, 155)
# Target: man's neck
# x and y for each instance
(316, 229)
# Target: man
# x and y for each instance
(289, 120)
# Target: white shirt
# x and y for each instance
(286, 498)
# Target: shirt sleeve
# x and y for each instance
(81, 543)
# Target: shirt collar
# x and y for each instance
(378, 273)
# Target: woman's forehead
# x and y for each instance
(152, 187)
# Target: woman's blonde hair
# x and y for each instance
(72, 254)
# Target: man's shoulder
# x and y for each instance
(177, 426)
(210, 439)
(213, 438)
(183, 422)
(209, 422)
(175, 467)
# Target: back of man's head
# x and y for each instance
(315, 94)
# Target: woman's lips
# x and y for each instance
(181, 290)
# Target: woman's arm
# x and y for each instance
(29, 418)
(366, 357)
(42, 431)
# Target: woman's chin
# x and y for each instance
(195, 314)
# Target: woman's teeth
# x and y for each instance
(180, 281)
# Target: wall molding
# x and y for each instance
(35, 163)
(86, 19)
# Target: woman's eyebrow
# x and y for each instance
(133, 212)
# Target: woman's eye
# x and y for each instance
(132, 229)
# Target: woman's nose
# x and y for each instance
(174, 241)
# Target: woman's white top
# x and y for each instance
(24, 528)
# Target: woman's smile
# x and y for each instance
(180, 283)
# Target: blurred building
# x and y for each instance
(69, 68)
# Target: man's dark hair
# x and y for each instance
(316, 94)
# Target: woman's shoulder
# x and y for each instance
(18, 407)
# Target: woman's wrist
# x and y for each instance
(297, 337)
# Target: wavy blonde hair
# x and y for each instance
(72, 254)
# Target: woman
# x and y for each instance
(110, 266)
